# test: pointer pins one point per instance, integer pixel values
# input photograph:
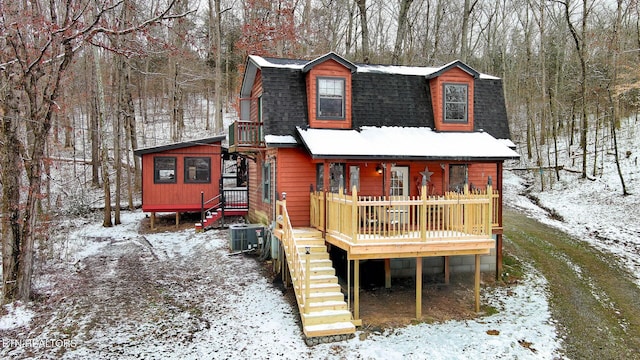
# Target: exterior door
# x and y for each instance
(399, 187)
(399, 184)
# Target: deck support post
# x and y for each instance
(477, 284)
(447, 270)
(498, 256)
(418, 288)
(153, 221)
(387, 273)
(349, 285)
(356, 289)
(177, 219)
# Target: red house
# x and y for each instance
(177, 177)
(396, 165)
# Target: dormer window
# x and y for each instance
(455, 103)
(331, 99)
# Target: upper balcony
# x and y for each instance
(247, 134)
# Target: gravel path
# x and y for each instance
(594, 300)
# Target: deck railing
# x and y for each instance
(246, 133)
(298, 262)
(367, 219)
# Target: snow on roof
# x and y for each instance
(363, 68)
(404, 142)
(280, 139)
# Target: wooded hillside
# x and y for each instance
(84, 82)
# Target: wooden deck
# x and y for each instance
(378, 228)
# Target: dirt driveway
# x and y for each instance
(595, 301)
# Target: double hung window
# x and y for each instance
(455, 103)
(331, 98)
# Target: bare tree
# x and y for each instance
(364, 29)
(613, 100)
(581, 47)
(38, 41)
(402, 30)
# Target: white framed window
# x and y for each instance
(330, 98)
(455, 103)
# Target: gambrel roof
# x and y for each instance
(382, 95)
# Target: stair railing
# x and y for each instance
(217, 200)
(298, 265)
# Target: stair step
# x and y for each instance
(312, 249)
(321, 263)
(322, 270)
(322, 279)
(337, 328)
(315, 256)
(309, 241)
(326, 296)
(301, 233)
(326, 317)
(322, 287)
(329, 279)
(327, 305)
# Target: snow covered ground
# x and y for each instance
(226, 309)
(592, 210)
(240, 314)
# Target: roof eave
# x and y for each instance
(330, 56)
(459, 64)
(249, 77)
(414, 158)
(179, 145)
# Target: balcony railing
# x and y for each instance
(246, 134)
(379, 219)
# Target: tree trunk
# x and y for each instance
(94, 131)
(106, 184)
(219, 128)
(364, 27)
(613, 101)
(11, 217)
(402, 31)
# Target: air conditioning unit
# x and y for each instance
(245, 236)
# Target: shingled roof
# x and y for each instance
(382, 95)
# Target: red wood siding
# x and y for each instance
(296, 172)
(179, 196)
(329, 68)
(479, 174)
(458, 76)
(370, 180)
(254, 190)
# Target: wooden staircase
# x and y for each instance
(322, 307)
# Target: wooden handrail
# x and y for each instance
(298, 264)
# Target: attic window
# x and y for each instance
(455, 103)
(331, 99)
